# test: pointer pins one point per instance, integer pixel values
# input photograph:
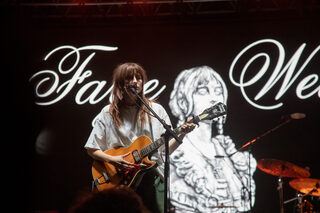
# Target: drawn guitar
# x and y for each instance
(106, 175)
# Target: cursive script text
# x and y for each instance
(49, 89)
(306, 88)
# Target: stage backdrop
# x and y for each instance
(62, 72)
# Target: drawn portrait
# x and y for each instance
(207, 174)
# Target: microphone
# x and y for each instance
(297, 115)
(131, 86)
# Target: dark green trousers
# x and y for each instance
(151, 190)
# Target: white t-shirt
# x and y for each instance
(105, 136)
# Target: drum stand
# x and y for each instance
(280, 188)
(300, 203)
(300, 197)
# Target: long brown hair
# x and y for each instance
(122, 73)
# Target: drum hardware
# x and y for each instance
(306, 187)
(302, 203)
(282, 169)
(309, 186)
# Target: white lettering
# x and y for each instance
(279, 71)
(303, 85)
(155, 84)
(79, 76)
(50, 90)
(92, 96)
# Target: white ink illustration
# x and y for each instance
(200, 181)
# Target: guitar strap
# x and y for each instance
(151, 130)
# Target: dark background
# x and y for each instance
(50, 177)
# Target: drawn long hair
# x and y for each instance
(181, 98)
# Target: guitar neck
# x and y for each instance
(208, 114)
(156, 144)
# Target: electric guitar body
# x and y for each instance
(109, 176)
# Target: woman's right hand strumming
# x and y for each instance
(118, 161)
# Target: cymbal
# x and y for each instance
(306, 185)
(282, 168)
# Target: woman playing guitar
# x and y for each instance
(125, 120)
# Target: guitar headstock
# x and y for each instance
(212, 112)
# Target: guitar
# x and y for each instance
(106, 175)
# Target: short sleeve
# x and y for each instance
(98, 134)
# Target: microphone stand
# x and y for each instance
(169, 132)
(259, 137)
(264, 134)
(295, 116)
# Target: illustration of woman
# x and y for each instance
(203, 178)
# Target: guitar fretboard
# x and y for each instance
(152, 147)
